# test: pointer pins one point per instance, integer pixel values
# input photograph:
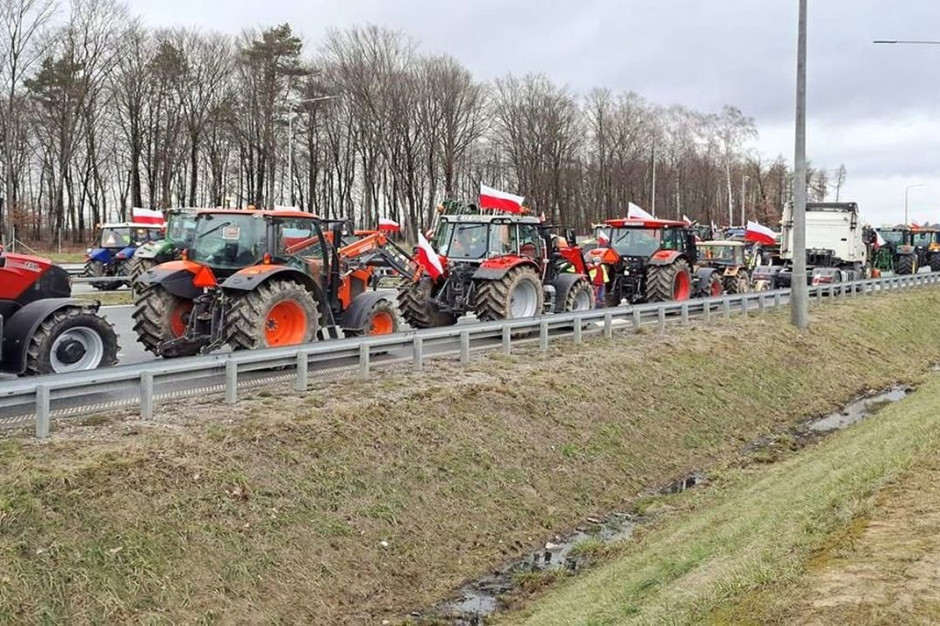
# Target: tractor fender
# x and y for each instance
(563, 284)
(702, 276)
(127, 253)
(177, 277)
(664, 257)
(20, 327)
(250, 278)
(494, 269)
(355, 316)
(100, 254)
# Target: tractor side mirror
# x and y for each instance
(3, 260)
(570, 237)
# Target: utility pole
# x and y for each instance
(907, 191)
(799, 291)
(744, 180)
(653, 202)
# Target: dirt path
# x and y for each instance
(890, 573)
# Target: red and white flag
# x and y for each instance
(146, 216)
(759, 234)
(428, 258)
(685, 218)
(879, 240)
(495, 199)
(636, 213)
(389, 226)
(603, 239)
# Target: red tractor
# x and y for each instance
(498, 266)
(44, 329)
(650, 261)
(258, 279)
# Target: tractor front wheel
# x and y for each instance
(71, 340)
(906, 264)
(96, 269)
(381, 320)
(737, 284)
(516, 295)
(935, 262)
(414, 302)
(669, 282)
(277, 313)
(580, 297)
(159, 316)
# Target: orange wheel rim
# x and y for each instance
(286, 324)
(682, 287)
(716, 288)
(382, 324)
(179, 318)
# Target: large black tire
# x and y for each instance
(253, 322)
(663, 282)
(906, 264)
(517, 294)
(96, 269)
(935, 262)
(580, 297)
(714, 287)
(737, 284)
(136, 268)
(381, 320)
(160, 316)
(71, 340)
(414, 303)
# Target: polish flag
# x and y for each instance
(759, 234)
(495, 199)
(428, 258)
(879, 240)
(603, 239)
(685, 218)
(636, 213)
(389, 226)
(146, 216)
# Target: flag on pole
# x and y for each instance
(146, 216)
(428, 258)
(389, 226)
(879, 240)
(636, 213)
(685, 218)
(602, 238)
(495, 199)
(759, 234)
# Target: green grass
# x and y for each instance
(363, 501)
(108, 298)
(755, 528)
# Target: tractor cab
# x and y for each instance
(908, 248)
(473, 239)
(729, 260)
(119, 241)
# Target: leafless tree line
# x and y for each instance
(99, 113)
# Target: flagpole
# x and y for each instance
(799, 291)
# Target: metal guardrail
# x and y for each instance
(141, 379)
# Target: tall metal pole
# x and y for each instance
(290, 155)
(799, 292)
(907, 191)
(744, 180)
(653, 201)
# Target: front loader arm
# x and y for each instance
(377, 250)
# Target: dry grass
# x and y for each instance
(358, 502)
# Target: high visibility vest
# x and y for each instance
(598, 274)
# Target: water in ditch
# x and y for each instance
(480, 598)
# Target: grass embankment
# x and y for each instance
(362, 501)
(743, 550)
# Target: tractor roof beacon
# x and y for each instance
(44, 330)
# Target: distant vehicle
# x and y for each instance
(908, 248)
(116, 244)
(729, 260)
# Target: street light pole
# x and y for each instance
(744, 180)
(906, 197)
(799, 291)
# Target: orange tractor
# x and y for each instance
(257, 279)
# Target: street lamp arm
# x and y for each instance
(913, 42)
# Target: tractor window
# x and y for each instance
(115, 237)
(673, 239)
(466, 241)
(180, 227)
(892, 236)
(140, 236)
(635, 242)
(502, 239)
(529, 241)
(922, 240)
(298, 238)
(228, 240)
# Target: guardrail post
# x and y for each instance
(231, 382)
(507, 341)
(577, 329)
(464, 346)
(364, 362)
(146, 395)
(636, 321)
(726, 308)
(661, 318)
(543, 336)
(684, 313)
(777, 300)
(42, 411)
(761, 303)
(417, 353)
(300, 382)
(819, 294)
(608, 325)
(745, 305)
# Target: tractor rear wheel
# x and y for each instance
(160, 316)
(381, 320)
(580, 297)
(277, 313)
(669, 282)
(414, 302)
(71, 340)
(517, 294)
(935, 262)
(96, 269)
(906, 264)
(737, 284)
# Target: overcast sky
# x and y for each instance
(872, 107)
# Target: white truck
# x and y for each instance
(835, 246)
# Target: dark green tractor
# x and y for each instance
(180, 226)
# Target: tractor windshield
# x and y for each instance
(635, 242)
(922, 239)
(115, 237)
(895, 237)
(180, 228)
(228, 240)
(722, 254)
(464, 240)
